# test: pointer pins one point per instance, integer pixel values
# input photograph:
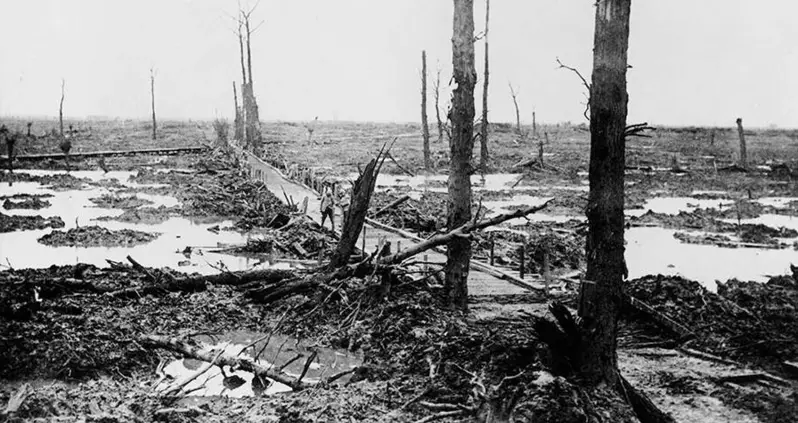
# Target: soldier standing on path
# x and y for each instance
(327, 207)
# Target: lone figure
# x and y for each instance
(327, 207)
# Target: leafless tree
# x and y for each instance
(251, 115)
(424, 124)
(483, 157)
(61, 110)
(437, 86)
(601, 297)
(238, 123)
(461, 146)
(152, 95)
(514, 95)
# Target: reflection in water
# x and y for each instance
(22, 250)
(279, 351)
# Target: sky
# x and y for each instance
(693, 62)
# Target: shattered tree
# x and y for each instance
(152, 95)
(238, 123)
(601, 296)
(437, 88)
(483, 133)
(424, 124)
(61, 111)
(354, 219)
(250, 116)
(461, 146)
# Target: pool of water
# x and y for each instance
(655, 250)
(277, 352)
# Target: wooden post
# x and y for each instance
(398, 245)
(712, 137)
(426, 263)
(743, 152)
(492, 244)
(523, 260)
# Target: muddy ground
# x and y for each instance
(72, 332)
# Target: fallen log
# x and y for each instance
(462, 231)
(750, 377)
(660, 319)
(246, 364)
(393, 204)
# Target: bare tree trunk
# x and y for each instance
(483, 157)
(461, 146)
(743, 151)
(424, 124)
(241, 52)
(437, 105)
(253, 134)
(152, 93)
(517, 111)
(534, 126)
(249, 50)
(61, 111)
(238, 122)
(600, 293)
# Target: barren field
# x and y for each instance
(99, 267)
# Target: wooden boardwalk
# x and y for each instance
(483, 279)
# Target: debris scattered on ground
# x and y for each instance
(748, 321)
(96, 236)
(112, 201)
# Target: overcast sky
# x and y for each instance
(694, 62)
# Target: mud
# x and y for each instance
(30, 203)
(144, 215)
(748, 321)
(56, 182)
(26, 223)
(111, 201)
(96, 236)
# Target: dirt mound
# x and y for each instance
(31, 203)
(27, 223)
(112, 201)
(96, 236)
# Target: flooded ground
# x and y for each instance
(649, 250)
(20, 249)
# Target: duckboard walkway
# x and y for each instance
(483, 279)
